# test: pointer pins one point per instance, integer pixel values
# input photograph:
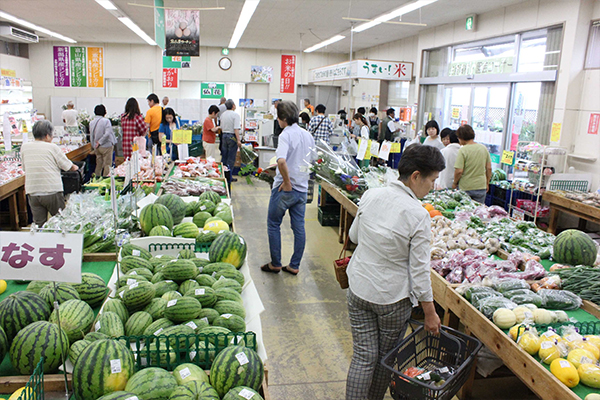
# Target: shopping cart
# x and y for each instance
(451, 349)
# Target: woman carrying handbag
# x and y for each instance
(103, 140)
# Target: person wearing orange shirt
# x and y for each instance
(209, 132)
(154, 118)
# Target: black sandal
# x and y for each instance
(267, 268)
(289, 270)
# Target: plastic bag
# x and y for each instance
(560, 299)
(489, 305)
(508, 284)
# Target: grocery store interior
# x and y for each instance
(277, 199)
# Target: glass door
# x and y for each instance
(488, 118)
(457, 106)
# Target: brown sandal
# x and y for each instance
(267, 268)
(290, 270)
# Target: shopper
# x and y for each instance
(387, 280)
(154, 117)
(222, 107)
(304, 120)
(42, 162)
(432, 129)
(445, 136)
(308, 108)
(69, 116)
(165, 131)
(320, 126)
(209, 134)
(450, 152)
(230, 137)
(374, 122)
(102, 137)
(289, 188)
(361, 122)
(473, 167)
(133, 125)
(165, 101)
(276, 128)
(387, 127)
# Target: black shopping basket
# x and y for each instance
(421, 349)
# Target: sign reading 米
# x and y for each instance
(490, 65)
(364, 69)
(41, 256)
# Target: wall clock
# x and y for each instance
(225, 63)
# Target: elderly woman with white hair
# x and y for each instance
(42, 162)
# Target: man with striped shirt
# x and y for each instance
(320, 126)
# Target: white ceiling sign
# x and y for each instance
(364, 69)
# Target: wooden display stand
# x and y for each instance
(348, 209)
(14, 191)
(560, 204)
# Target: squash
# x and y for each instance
(504, 318)
(523, 313)
(543, 317)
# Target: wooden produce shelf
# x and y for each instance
(560, 204)
(348, 209)
(80, 153)
(14, 191)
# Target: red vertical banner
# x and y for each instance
(288, 74)
(594, 123)
(170, 78)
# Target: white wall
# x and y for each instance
(145, 62)
(19, 64)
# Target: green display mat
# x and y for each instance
(104, 269)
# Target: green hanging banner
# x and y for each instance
(159, 23)
(78, 66)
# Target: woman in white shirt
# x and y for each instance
(432, 129)
(389, 271)
(361, 121)
(449, 152)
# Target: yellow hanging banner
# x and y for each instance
(181, 136)
(395, 148)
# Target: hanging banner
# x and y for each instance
(78, 67)
(594, 123)
(288, 74)
(212, 90)
(363, 69)
(170, 78)
(176, 62)
(159, 23)
(61, 66)
(182, 30)
(261, 74)
(95, 67)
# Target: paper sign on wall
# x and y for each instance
(41, 256)
(555, 135)
(594, 123)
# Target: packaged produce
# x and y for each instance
(559, 299)
(543, 317)
(549, 282)
(193, 187)
(510, 284)
(490, 305)
(527, 298)
(529, 341)
(583, 281)
(580, 356)
(504, 318)
(523, 313)
(437, 376)
(565, 372)
(589, 375)
(549, 351)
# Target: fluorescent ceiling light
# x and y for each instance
(107, 4)
(327, 42)
(137, 30)
(243, 20)
(35, 27)
(394, 14)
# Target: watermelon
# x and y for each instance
(186, 230)
(187, 285)
(159, 354)
(92, 289)
(110, 324)
(158, 277)
(21, 309)
(61, 293)
(175, 204)
(104, 367)
(222, 207)
(157, 327)
(37, 340)
(94, 336)
(155, 215)
(242, 393)
(186, 254)
(205, 206)
(217, 335)
(76, 349)
(3, 343)
(163, 287)
(229, 294)
(205, 295)
(230, 307)
(190, 208)
(187, 372)
(137, 323)
(133, 250)
(197, 324)
(180, 336)
(120, 395)
(160, 230)
(171, 295)
(76, 318)
(205, 352)
(180, 270)
(145, 272)
(156, 308)
(126, 280)
(222, 283)
(155, 261)
(205, 280)
(200, 262)
(152, 384)
(138, 295)
(129, 263)
(215, 267)
(194, 390)
(574, 247)
(200, 218)
(210, 195)
(227, 372)
(225, 216)
(233, 322)
(217, 226)
(206, 237)
(182, 309)
(236, 275)
(230, 248)
(116, 306)
(209, 313)
(36, 286)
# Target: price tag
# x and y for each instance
(572, 337)
(226, 316)
(548, 334)
(205, 319)
(564, 363)
(121, 294)
(132, 398)
(171, 303)
(169, 281)
(245, 393)
(425, 376)
(214, 274)
(158, 332)
(508, 157)
(192, 325)
(585, 360)
(202, 208)
(200, 269)
(199, 292)
(134, 285)
(130, 282)
(192, 355)
(242, 359)
(518, 214)
(546, 344)
(222, 277)
(133, 273)
(115, 366)
(184, 373)
(135, 252)
(220, 232)
(97, 326)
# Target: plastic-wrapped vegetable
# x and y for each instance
(510, 293)
(506, 285)
(471, 290)
(559, 299)
(528, 298)
(478, 298)
(490, 305)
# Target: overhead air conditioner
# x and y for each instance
(10, 33)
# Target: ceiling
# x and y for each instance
(276, 24)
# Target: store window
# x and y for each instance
(128, 87)
(592, 59)
(540, 50)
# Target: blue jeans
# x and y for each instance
(281, 202)
(229, 151)
(478, 195)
